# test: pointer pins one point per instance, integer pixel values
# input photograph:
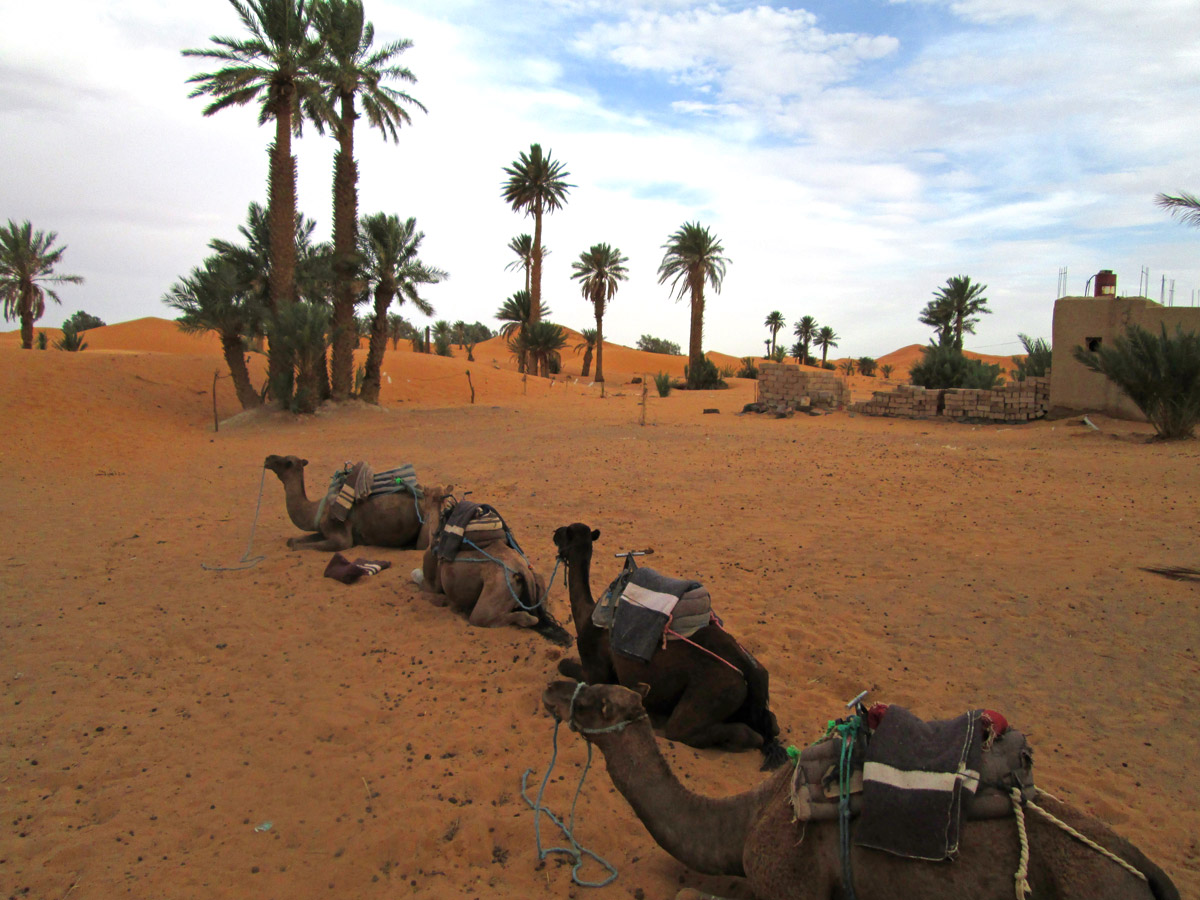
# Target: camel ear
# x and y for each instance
(304, 462)
(595, 535)
(643, 689)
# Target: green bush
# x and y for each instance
(866, 366)
(662, 381)
(827, 365)
(657, 345)
(82, 321)
(1159, 373)
(847, 366)
(778, 355)
(886, 370)
(728, 371)
(1036, 361)
(749, 369)
(705, 378)
(945, 366)
(72, 339)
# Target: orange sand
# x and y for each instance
(157, 714)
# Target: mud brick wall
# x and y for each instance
(1016, 402)
(783, 385)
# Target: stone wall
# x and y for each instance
(1016, 402)
(780, 384)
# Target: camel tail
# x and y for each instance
(758, 710)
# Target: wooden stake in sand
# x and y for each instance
(471, 386)
(216, 424)
(524, 389)
(644, 392)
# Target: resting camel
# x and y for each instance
(384, 520)
(752, 835)
(708, 702)
(484, 587)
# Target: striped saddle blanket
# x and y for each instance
(475, 524)
(355, 482)
(643, 608)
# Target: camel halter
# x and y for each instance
(246, 560)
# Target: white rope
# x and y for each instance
(1087, 841)
(1021, 879)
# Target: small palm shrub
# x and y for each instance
(299, 332)
(41, 341)
(728, 371)
(886, 370)
(442, 344)
(826, 365)
(848, 367)
(662, 381)
(1159, 373)
(72, 339)
(1036, 361)
(748, 369)
(705, 378)
(778, 355)
(360, 375)
(944, 366)
(866, 366)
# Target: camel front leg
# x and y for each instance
(341, 539)
(698, 719)
(495, 608)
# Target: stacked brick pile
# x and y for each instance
(908, 401)
(783, 385)
(1016, 402)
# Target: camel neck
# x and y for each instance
(301, 510)
(704, 834)
(579, 588)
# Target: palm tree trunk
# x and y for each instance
(378, 344)
(26, 318)
(345, 220)
(600, 340)
(587, 363)
(696, 341)
(535, 289)
(231, 346)
(281, 202)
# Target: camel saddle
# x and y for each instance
(1005, 762)
(643, 608)
(474, 524)
(355, 482)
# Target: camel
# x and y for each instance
(753, 835)
(708, 701)
(484, 587)
(384, 520)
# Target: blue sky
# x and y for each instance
(850, 154)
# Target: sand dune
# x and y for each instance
(179, 731)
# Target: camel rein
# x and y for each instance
(576, 851)
(246, 561)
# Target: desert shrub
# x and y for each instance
(944, 366)
(442, 344)
(657, 345)
(1159, 373)
(662, 381)
(299, 332)
(1036, 362)
(866, 366)
(886, 370)
(728, 371)
(82, 321)
(705, 378)
(41, 341)
(778, 355)
(71, 340)
(360, 375)
(418, 342)
(748, 369)
(847, 366)
(825, 365)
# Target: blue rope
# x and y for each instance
(576, 851)
(507, 571)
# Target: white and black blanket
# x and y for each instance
(915, 776)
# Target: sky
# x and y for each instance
(850, 155)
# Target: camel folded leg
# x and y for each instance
(698, 719)
(495, 608)
(338, 540)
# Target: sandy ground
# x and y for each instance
(172, 731)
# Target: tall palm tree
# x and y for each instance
(535, 184)
(825, 339)
(350, 69)
(693, 256)
(1184, 205)
(774, 323)
(939, 315)
(214, 298)
(806, 332)
(588, 346)
(390, 248)
(27, 261)
(964, 302)
(516, 313)
(522, 245)
(599, 270)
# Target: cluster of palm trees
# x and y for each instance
(808, 334)
(315, 61)
(28, 259)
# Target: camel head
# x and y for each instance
(594, 708)
(433, 502)
(285, 466)
(574, 542)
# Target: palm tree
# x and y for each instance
(599, 271)
(516, 313)
(390, 249)
(27, 261)
(397, 327)
(587, 345)
(214, 298)
(522, 245)
(273, 66)
(806, 332)
(693, 256)
(535, 184)
(72, 339)
(350, 69)
(542, 341)
(939, 314)
(962, 301)
(774, 322)
(825, 339)
(1185, 206)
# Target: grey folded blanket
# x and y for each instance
(664, 584)
(454, 527)
(915, 777)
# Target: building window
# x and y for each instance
(1093, 344)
